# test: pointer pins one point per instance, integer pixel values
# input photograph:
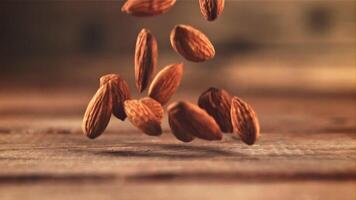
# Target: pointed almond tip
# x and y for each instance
(123, 8)
(175, 29)
(174, 105)
(145, 30)
(180, 26)
(249, 141)
(219, 137)
(139, 89)
(91, 137)
(156, 132)
(108, 77)
(179, 67)
(171, 106)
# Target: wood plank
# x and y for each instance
(301, 155)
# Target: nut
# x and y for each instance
(188, 121)
(146, 8)
(244, 121)
(98, 113)
(119, 92)
(218, 104)
(142, 117)
(146, 54)
(211, 9)
(178, 131)
(166, 82)
(154, 106)
(192, 44)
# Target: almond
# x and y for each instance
(188, 121)
(218, 104)
(178, 131)
(146, 8)
(154, 106)
(119, 92)
(192, 44)
(166, 82)
(98, 113)
(142, 117)
(244, 121)
(146, 54)
(211, 9)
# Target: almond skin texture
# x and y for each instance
(166, 82)
(98, 113)
(154, 106)
(146, 54)
(218, 104)
(178, 131)
(119, 92)
(142, 117)
(211, 9)
(244, 121)
(192, 44)
(187, 120)
(147, 8)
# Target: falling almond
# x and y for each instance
(147, 8)
(154, 106)
(142, 117)
(120, 92)
(98, 113)
(146, 54)
(191, 43)
(188, 121)
(166, 82)
(217, 103)
(244, 121)
(211, 9)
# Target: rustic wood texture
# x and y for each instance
(307, 150)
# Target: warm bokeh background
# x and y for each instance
(263, 47)
(292, 60)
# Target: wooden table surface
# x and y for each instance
(307, 150)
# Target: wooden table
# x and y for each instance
(307, 151)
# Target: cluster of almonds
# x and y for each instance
(217, 111)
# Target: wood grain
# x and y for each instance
(312, 156)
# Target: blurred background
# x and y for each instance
(292, 60)
(273, 47)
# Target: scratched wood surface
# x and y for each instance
(307, 150)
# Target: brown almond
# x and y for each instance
(217, 103)
(211, 9)
(146, 54)
(178, 131)
(165, 83)
(191, 43)
(147, 8)
(142, 117)
(188, 121)
(98, 113)
(154, 106)
(120, 93)
(244, 121)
